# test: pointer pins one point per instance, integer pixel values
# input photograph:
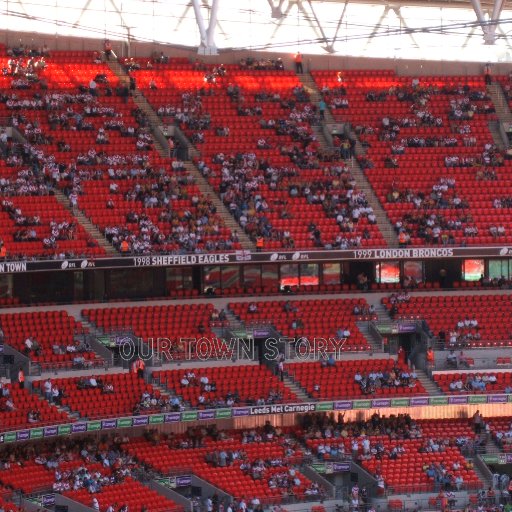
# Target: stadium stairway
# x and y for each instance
(118, 70)
(315, 95)
(228, 219)
(298, 390)
(89, 227)
(383, 222)
(84, 221)
(203, 185)
(491, 446)
(484, 476)
(500, 102)
(385, 321)
(502, 112)
(430, 386)
(234, 323)
(373, 341)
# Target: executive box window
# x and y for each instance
(211, 277)
(230, 276)
(6, 285)
(331, 273)
(387, 272)
(217, 276)
(252, 276)
(289, 275)
(269, 275)
(414, 269)
(178, 278)
(130, 283)
(309, 274)
(472, 270)
(498, 268)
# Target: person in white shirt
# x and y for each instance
(92, 87)
(28, 345)
(55, 395)
(48, 389)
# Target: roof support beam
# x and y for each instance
(207, 34)
(488, 26)
(277, 11)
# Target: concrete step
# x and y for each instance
(234, 322)
(301, 394)
(430, 386)
(315, 95)
(496, 135)
(91, 229)
(383, 222)
(503, 112)
(205, 187)
(374, 343)
(486, 482)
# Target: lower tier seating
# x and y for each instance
(232, 385)
(460, 320)
(130, 492)
(313, 319)
(113, 395)
(56, 338)
(469, 382)
(172, 330)
(21, 409)
(233, 479)
(376, 378)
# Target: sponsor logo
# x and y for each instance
(50, 431)
(241, 411)
(419, 401)
(140, 420)
(343, 404)
(109, 424)
(172, 417)
(283, 408)
(22, 435)
(78, 427)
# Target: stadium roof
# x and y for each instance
(419, 29)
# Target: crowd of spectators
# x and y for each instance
(261, 64)
(207, 393)
(434, 227)
(504, 437)
(155, 402)
(86, 463)
(195, 229)
(466, 330)
(473, 382)
(396, 378)
(242, 176)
